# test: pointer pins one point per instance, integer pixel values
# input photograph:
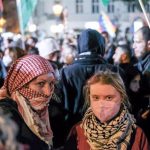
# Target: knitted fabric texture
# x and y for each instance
(38, 123)
(114, 135)
(24, 70)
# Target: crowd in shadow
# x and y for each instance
(82, 92)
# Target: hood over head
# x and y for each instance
(91, 41)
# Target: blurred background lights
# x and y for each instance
(92, 25)
(32, 28)
(57, 28)
(57, 9)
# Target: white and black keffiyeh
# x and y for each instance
(114, 135)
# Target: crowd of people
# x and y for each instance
(82, 92)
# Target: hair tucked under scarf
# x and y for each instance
(23, 71)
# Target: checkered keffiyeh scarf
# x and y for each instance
(23, 71)
(114, 135)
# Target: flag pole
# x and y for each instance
(143, 9)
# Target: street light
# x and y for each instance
(57, 8)
(2, 24)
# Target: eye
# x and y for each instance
(41, 84)
(109, 98)
(95, 98)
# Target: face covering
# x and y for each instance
(35, 99)
(105, 110)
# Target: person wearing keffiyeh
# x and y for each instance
(107, 123)
(25, 96)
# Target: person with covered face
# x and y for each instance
(107, 123)
(25, 95)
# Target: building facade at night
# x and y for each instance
(82, 13)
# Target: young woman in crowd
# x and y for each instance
(107, 123)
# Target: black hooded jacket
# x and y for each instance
(91, 48)
(91, 41)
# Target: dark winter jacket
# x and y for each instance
(143, 66)
(25, 135)
(73, 77)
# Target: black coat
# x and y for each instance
(91, 48)
(25, 135)
(143, 66)
(74, 77)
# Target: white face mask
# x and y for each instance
(106, 110)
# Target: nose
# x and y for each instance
(48, 90)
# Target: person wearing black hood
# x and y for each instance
(91, 48)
